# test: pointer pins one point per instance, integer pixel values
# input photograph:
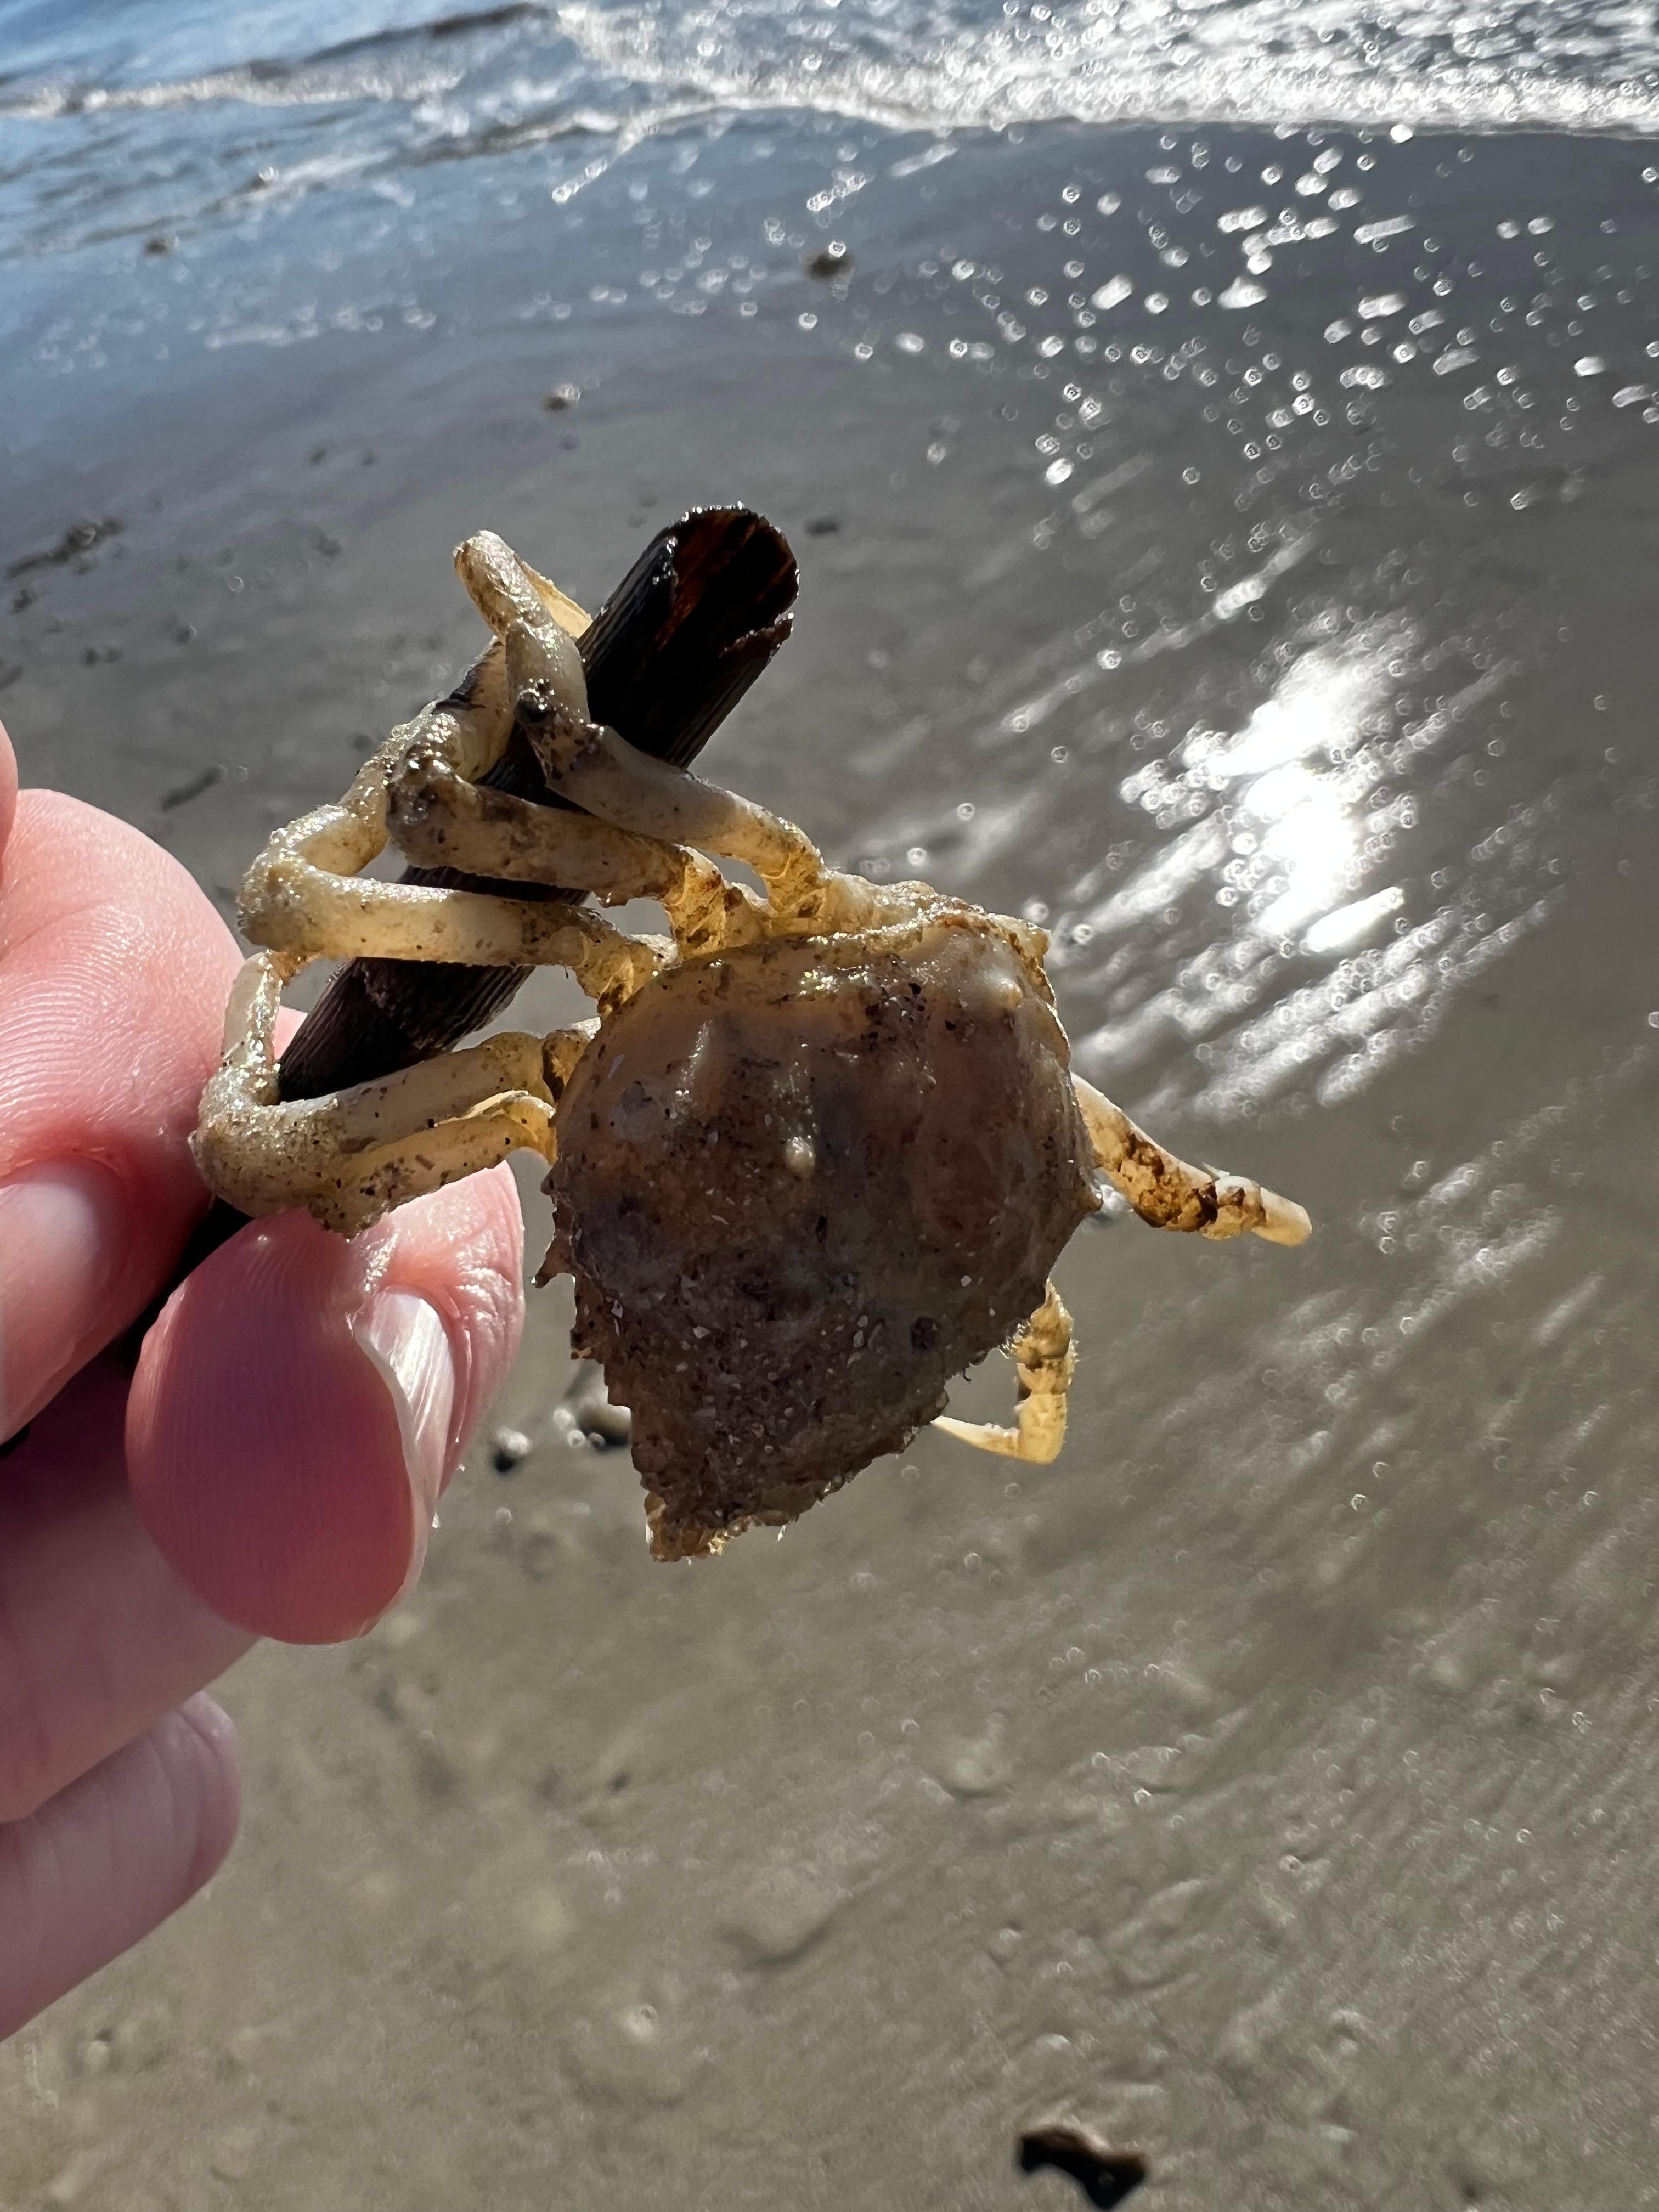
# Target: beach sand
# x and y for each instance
(1267, 1787)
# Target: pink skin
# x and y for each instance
(264, 1474)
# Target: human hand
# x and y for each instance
(273, 1466)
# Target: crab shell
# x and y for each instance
(802, 1184)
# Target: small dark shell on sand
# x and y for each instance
(586, 1405)
(832, 260)
(1106, 2176)
(507, 1446)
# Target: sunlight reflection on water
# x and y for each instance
(1288, 822)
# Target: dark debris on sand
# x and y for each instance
(78, 540)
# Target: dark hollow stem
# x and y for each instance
(667, 657)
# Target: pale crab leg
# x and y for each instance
(305, 863)
(1046, 1362)
(350, 1156)
(1170, 1194)
(439, 820)
(600, 771)
(406, 921)
(538, 625)
(303, 894)
(304, 897)
(548, 690)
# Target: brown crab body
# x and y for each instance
(799, 1187)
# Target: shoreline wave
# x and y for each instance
(1063, 66)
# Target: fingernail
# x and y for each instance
(63, 1233)
(410, 1346)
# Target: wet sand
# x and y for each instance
(1267, 1787)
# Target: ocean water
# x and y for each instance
(1223, 474)
(525, 68)
(139, 113)
(1224, 331)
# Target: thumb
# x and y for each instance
(303, 1399)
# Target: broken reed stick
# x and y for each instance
(689, 628)
(668, 656)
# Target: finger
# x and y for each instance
(302, 1399)
(106, 1862)
(99, 1637)
(8, 787)
(113, 974)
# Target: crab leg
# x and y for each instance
(544, 679)
(297, 881)
(344, 920)
(351, 1155)
(611, 781)
(538, 625)
(438, 819)
(304, 897)
(1167, 1193)
(600, 772)
(358, 1190)
(1047, 1363)
(302, 894)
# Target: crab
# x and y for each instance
(817, 1153)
